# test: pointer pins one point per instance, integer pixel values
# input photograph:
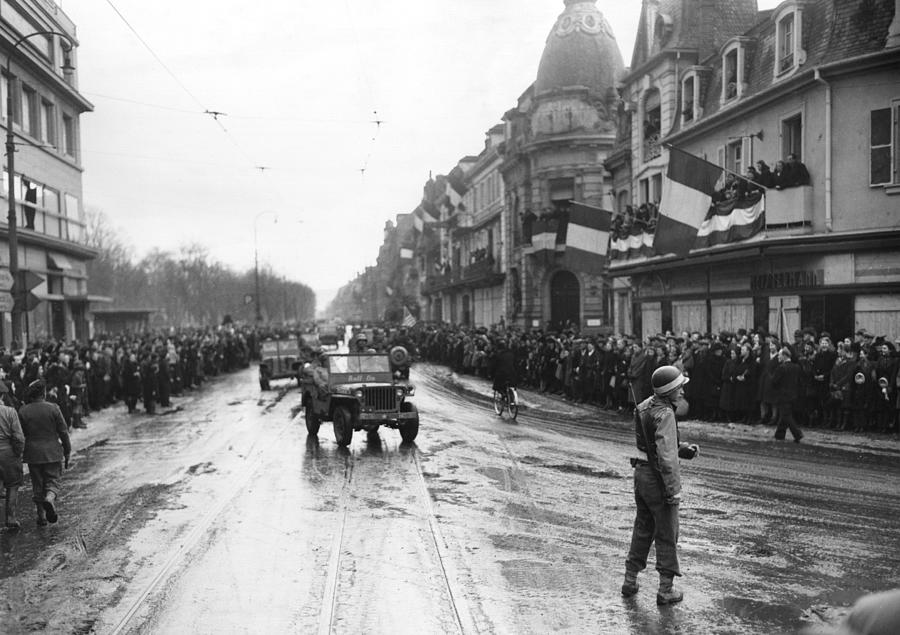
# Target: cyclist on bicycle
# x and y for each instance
(503, 368)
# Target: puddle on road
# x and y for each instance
(759, 611)
(202, 468)
(501, 476)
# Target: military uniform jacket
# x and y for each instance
(46, 436)
(656, 432)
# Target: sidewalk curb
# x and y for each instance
(846, 441)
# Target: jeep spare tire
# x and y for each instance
(399, 356)
(343, 426)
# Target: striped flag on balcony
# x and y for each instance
(639, 242)
(730, 221)
(587, 237)
(543, 234)
(689, 219)
(688, 189)
(421, 217)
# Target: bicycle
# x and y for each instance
(507, 399)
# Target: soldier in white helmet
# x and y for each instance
(657, 483)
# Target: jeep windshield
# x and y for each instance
(359, 364)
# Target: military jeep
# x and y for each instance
(357, 391)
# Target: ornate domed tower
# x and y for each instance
(559, 135)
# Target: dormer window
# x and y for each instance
(734, 81)
(788, 38)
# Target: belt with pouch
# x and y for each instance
(639, 458)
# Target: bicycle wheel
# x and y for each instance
(512, 402)
(498, 403)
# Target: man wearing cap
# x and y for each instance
(46, 447)
(657, 484)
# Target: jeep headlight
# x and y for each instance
(358, 393)
(400, 393)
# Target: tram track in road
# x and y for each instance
(254, 461)
(351, 488)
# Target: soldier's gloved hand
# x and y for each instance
(673, 500)
(67, 462)
(688, 451)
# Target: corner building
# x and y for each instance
(814, 78)
(557, 139)
(43, 84)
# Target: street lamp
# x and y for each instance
(18, 292)
(256, 261)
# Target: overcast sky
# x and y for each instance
(300, 83)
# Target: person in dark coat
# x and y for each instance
(47, 446)
(823, 362)
(149, 381)
(709, 376)
(785, 388)
(131, 381)
(746, 371)
(503, 368)
(164, 380)
(726, 398)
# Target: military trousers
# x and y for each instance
(655, 522)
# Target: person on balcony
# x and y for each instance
(797, 174)
(766, 177)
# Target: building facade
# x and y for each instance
(40, 45)
(816, 79)
(557, 138)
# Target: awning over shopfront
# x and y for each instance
(58, 261)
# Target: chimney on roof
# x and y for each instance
(893, 39)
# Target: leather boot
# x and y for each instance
(630, 586)
(667, 593)
(41, 516)
(49, 508)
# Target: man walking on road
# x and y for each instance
(657, 484)
(46, 447)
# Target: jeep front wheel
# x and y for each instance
(343, 426)
(409, 429)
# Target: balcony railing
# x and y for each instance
(652, 147)
(482, 270)
(789, 208)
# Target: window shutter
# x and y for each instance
(747, 153)
(720, 156)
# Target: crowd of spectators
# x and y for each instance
(846, 384)
(136, 368)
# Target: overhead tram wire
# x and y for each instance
(181, 84)
(368, 84)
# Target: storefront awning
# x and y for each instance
(58, 261)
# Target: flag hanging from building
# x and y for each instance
(689, 218)
(733, 220)
(587, 237)
(638, 242)
(688, 189)
(408, 319)
(421, 218)
(543, 235)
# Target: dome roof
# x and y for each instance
(581, 50)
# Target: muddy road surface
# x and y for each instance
(222, 515)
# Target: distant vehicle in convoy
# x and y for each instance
(357, 391)
(278, 359)
(331, 332)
